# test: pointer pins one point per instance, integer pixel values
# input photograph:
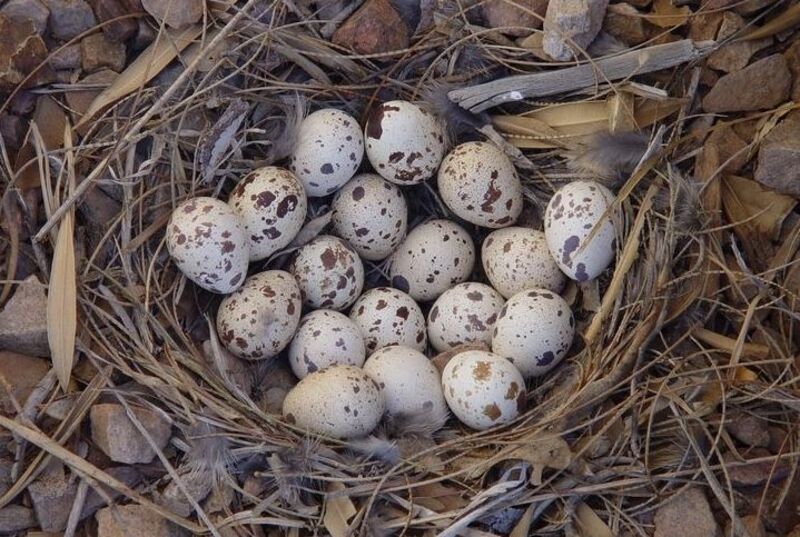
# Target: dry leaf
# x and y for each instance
(62, 303)
(338, 510)
(147, 65)
(50, 119)
(551, 452)
(589, 524)
(666, 15)
(757, 213)
(784, 21)
(523, 527)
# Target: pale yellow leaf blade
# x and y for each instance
(144, 68)
(62, 303)
(667, 15)
(589, 524)
(523, 527)
(338, 510)
(756, 212)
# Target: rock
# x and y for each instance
(792, 55)
(779, 157)
(52, 495)
(121, 29)
(133, 521)
(13, 129)
(100, 52)
(626, 23)
(23, 322)
(197, 484)
(686, 514)
(763, 84)
(571, 23)
(736, 55)
(118, 437)
(175, 13)
(755, 473)
(81, 95)
(513, 20)
(777, 438)
(748, 429)
(704, 26)
(31, 10)
(94, 501)
(21, 373)
(15, 518)
(752, 524)
(374, 28)
(21, 51)
(69, 18)
(68, 58)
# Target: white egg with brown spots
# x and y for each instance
(260, 318)
(478, 182)
(409, 381)
(405, 143)
(330, 274)
(534, 331)
(325, 338)
(208, 244)
(371, 214)
(272, 204)
(328, 151)
(386, 317)
(517, 258)
(341, 401)
(434, 257)
(465, 313)
(483, 389)
(579, 231)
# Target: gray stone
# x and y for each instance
(53, 494)
(748, 429)
(763, 84)
(779, 157)
(735, 55)
(571, 23)
(117, 436)
(94, 501)
(16, 518)
(69, 18)
(197, 484)
(686, 514)
(175, 13)
(23, 322)
(68, 58)
(32, 10)
(517, 17)
(134, 521)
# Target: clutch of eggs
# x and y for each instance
(362, 354)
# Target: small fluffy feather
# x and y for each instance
(209, 451)
(283, 132)
(610, 156)
(291, 468)
(376, 448)
(423, 424)
(457, 120)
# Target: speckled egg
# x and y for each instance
(208, 244)
(405, 143)
(464, 313)
(328, 151)
(434, 257)
(371, 214)
(325, 338)
(483, 389)
(478, 182)
(571, 216)
(259, 320)
(330, 274)
(272, 205)
(409, 381)
(517, 258)
(534, 331)
(340, 401)
(386, 317)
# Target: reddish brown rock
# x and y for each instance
(626, 23)
(763, 84)
(30, 10)
(175, 13)
(734, 55)
(67, 58)
(21, 373)
(121, 29)
(134, 521)
(374, 28)
(118, 437)
(748, 429)
(21, 52)
(779, 157)
(515, 17)
(686, 514)
(100, 52)
(23, 321)
(792, 56)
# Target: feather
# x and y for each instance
(423, 424)
(457, 120)
(292, 468)
(376, 448)
(610, 156)
(283, 132)
(209, 451)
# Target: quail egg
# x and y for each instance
(483, 389)
(534, 331)
(409, 381)
(324, 338)
(579, 232)
(517, 258)
(434, 257)
(405, 143)
(371, 214)
(271, 203)
(465, 313)
(329, 273)
(478, 182)
(387, 316)
(328, 151)
(259, 320)
(341, 401)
